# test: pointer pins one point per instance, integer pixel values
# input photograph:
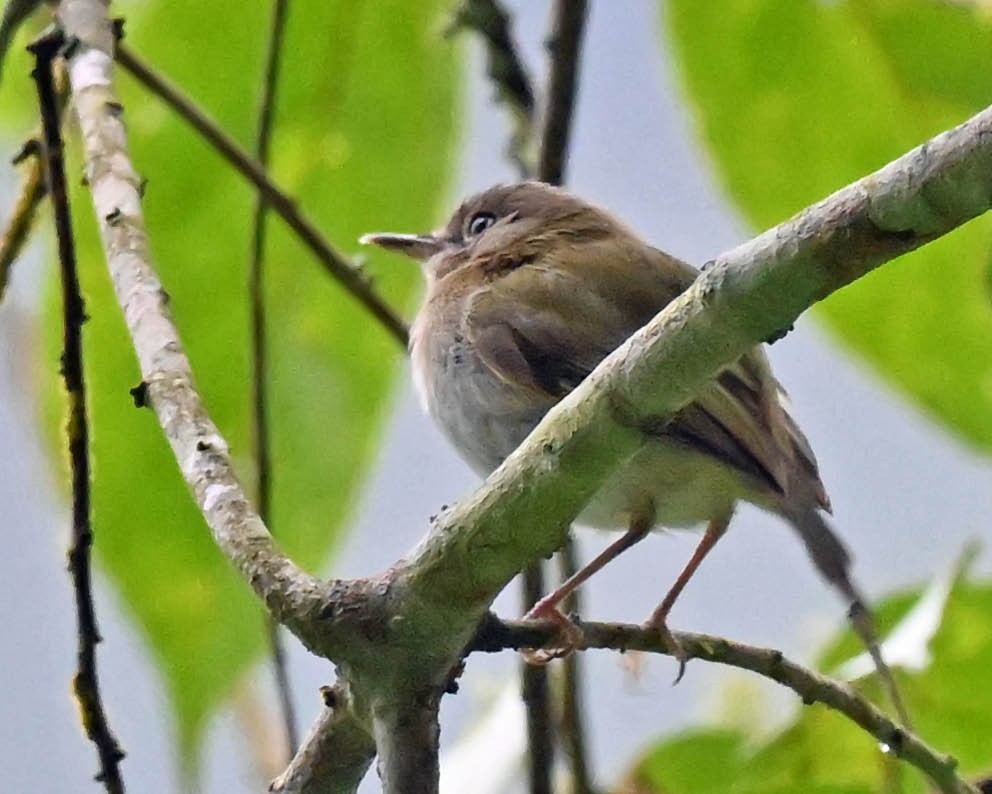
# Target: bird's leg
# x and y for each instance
(547, 607)
(659, 618)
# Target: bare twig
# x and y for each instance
(572, 718)
(259, 362)
(535, 691)
(86, 684)
(811, 686)
(349, 276)
(29, 198)
(32, 190)
(15, 13)
(564, 47)
(507, 73)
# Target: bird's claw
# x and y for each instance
(568, 639)
(673, 646)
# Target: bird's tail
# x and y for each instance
(833, 561)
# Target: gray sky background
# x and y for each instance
(906, 497)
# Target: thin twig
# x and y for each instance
(507, 73)
(259, 361)
(572, 719)
(86, 681)
(811, 686)
(535, 691)
(349, 276)
(564, 46)
(32, 191)
(29, 198)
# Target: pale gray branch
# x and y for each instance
(167, 379)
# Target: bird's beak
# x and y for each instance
(415, 246)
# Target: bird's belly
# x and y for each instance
(666, 485)
(483, 418)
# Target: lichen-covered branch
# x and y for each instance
(167, 380)
(336, 753)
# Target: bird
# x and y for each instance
(529, 287)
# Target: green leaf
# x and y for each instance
(364, 139)
(702, 761)
(797, 98)
(820, 750)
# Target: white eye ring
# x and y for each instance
(479, 222)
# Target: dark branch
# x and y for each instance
(506, 71)
(535, 691)
(259, 362)
(812, 687)
(349, 276)
(86, 683)
(572, 719)
(564, 47)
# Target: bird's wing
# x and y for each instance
(525, 329)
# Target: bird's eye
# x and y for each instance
(479, 222)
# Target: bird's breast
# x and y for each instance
(484, 417)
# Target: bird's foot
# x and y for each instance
(567, 640)
(671, 643)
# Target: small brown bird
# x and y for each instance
(528, 288)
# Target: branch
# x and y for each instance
(811, 686)
(32, 191)
(406, 738)
(349, 276)
(535, 691)
(167, 379)
(336, 754)
(259, 349)
(572, 717)
(747, 295)
(506, 71)
(564, 47)
(86, 682)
